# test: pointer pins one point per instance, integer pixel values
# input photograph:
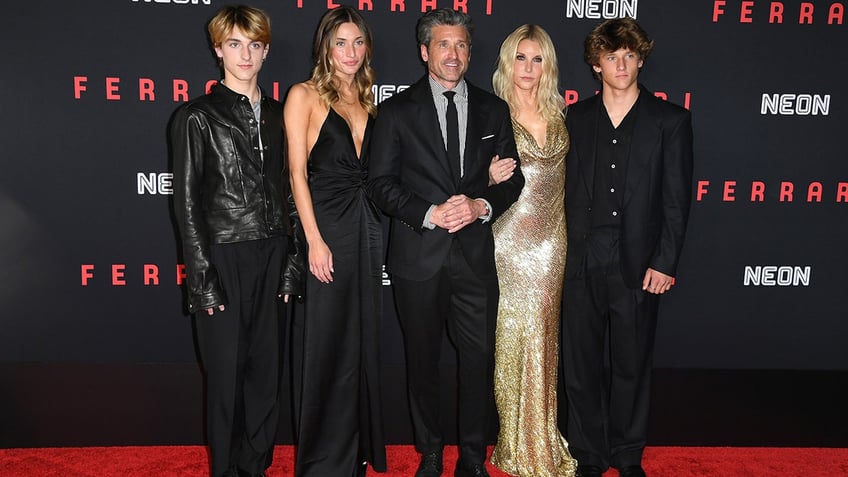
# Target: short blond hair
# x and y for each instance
(253, 22)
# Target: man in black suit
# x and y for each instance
(430, 155)
(627, 193)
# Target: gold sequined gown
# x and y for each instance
(530, 245)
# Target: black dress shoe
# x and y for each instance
(430, 466)
(589, 471)
(470, 470)
(632, 471)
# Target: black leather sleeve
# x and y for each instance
(187, 148)
(293, 282)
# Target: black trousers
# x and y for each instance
(607, 345)
(240, 352)
(466, 301)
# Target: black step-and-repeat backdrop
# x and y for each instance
(89, 268)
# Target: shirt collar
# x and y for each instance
(461, 88)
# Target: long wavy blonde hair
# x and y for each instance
(550, 103)
(323, 74)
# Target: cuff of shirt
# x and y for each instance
(427, 224)
(488, 216)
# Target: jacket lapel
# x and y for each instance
(642, 145)
(478, 111)
(588, 141)
(427, 123)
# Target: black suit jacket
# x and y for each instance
(657, 186)
(409, 172)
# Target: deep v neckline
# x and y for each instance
(540, 147)
(357, 153)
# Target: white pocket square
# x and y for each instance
(487, 137)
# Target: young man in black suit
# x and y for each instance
(430, 155)
(627, 196)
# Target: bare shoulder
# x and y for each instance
(302, 94)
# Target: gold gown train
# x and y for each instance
(530, 246)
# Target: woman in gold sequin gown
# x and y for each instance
(530, 246)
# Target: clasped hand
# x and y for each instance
(457, 212)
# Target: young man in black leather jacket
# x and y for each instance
(235, 216)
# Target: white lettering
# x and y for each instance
(782, 276)
(383, 92)
(386, 278)
(601, 8)
(155, 183)
(791, 104)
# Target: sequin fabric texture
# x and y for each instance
(530, 245)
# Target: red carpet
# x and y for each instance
(190, 461)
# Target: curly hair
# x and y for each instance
(613, 35)
(550, 102)
(323, 73)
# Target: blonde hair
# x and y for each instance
(549, 101)
(323, 74)
(253, 22)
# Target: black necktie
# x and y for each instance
(452, 123)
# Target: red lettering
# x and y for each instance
(118, 274)
(776, 13)
(151, 274)
(112, 89)
(209, 85)
(145, 89)
(398, 6)
(745, 12)
(842, 192)
(718, 9)
(702, 190)
(79, 86)
(488, 7)
(363, 4)
(786, 190)
(806, 14)
(687, 100)
(729, 191)
(86, 271)
(275, 90)
(571, 97)
(331, 5)
(181, 273)
(814, 192)
(461, 5)
(836, 14)
(180, 90)
(758, 191)
(661, 95)
(427, 5)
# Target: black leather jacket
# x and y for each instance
(225, 191)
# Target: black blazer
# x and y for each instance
(409, 172)
(657, 186)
